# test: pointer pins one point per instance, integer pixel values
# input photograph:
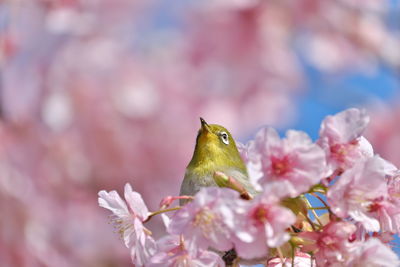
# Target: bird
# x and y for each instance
(215, 151)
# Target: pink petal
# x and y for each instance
(373, 253)
(113, 202)
(345, 126)
(136, 203)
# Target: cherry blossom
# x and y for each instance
(342, 140)
(173, 251)
(390, 209)
(128, 219)
(373, 253)
(332, 245)
(204, 219)
(218, 226)
(362, 193)
(393, 181)
(293, 161)
(261, 224)
(301, 260)
(84, 105)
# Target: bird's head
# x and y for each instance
(215, 149)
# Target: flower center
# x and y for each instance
(206, 220)
(340, 151)
(260, 214)
(280, 166)
(374, 207)
(121, 225)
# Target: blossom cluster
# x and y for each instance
(81, 92)
(359, 192)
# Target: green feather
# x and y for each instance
(212, 154)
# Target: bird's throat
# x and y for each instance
(210, 158)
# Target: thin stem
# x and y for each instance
(319, 191)
(278, 249)
(161, 211)
(293, 253)
(311, 222)
(317, 218)
(318, 208)
(320, 188)
(167, 201)
(313, 212)
(322, 201)
(147, 231)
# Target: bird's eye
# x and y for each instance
(224, 138)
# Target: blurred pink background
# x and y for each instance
(97, 93)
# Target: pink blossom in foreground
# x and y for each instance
(384, 237)
(261, 224)
(388, 215)
(341, 138)
(393, 181)
(244, 149)
(373, 253)
(332, 245)
(253, 167)
(295, 161)
(301, 260)
(362, 193)
(177, 253)
(390, 218)
(204, 219)
(129, 222)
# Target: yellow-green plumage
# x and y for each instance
(215, 151)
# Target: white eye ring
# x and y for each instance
(224, 137)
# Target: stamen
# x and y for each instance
(205, 219)
(260, 214)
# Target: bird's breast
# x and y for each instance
(195, 180)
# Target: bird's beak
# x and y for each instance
(204, 125)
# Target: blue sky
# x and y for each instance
(327, 95)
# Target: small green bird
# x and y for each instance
(215, 151)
